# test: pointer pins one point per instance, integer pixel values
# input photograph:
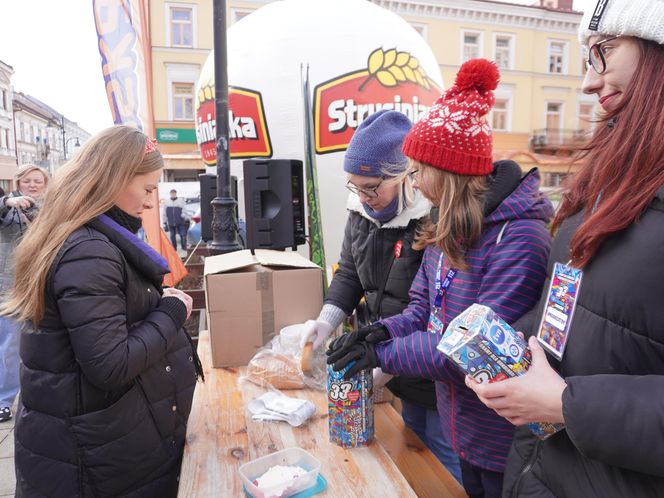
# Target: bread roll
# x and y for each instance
(280, 371)
(307, 352)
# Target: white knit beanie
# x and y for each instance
(639, 18)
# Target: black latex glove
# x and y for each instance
(372, 334)
(362, 353)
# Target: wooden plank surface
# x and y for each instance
(221, 436)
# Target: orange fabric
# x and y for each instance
(158, 239)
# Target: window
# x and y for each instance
(503, 51)
(420, 28)
(585, 116)
(238, 14)
(554, 122)
(471, 46)
(4, 139)
(500, 115)
(180, 83)
(557, 56)
(183, 101)
(182, 27)
(3, 99)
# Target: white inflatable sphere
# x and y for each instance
(361, 58)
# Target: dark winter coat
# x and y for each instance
(108, 375)
(368, 251)
(13, 223)
(614, 368)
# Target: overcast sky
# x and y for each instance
(52, 46)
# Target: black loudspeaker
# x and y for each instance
(274, 203)
(209, 192)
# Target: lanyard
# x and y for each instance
(441, 285)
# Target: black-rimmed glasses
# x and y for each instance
(597, 57)
(368, 191)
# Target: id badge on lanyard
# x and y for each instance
(559, 309)
(436, 317)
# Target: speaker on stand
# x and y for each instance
(274, 203)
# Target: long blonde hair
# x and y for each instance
(460, 199)
(83, 188)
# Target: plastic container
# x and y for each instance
(290, 336)
(289, 456)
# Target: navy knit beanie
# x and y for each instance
(375, 148)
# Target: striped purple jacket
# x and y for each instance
(508, 278)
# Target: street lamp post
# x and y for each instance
(224, 224)
(64, 140)
(77, 144)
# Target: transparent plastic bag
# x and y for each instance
(278, 364)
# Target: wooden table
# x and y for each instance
(220, 438)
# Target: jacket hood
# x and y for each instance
(524, 202)
(417, 209)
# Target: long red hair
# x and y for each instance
(624, 161)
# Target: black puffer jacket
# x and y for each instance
(366, 253)
(614, 368)
(108, 376)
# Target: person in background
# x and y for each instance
(607, 388)
(175, 219)
(486, 243)
(378, 262)
(17, 210)
(108, 371)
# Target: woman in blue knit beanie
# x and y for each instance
(379, 263)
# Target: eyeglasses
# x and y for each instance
(597, 56)
(369, 191)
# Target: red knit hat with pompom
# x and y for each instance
(454, 135)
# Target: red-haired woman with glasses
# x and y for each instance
(607, 388)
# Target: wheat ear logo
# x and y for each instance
(391, 68)
(391, 79)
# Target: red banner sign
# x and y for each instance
(247, 127)
(393, 80)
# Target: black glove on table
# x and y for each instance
(362, 353)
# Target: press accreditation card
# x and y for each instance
(559, 309)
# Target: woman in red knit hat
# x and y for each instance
(486, 243)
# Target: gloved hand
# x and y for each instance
(373, 334)
(316, 331)
(363, 354)
(165, 227)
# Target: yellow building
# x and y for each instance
(181, 38)
(540, 110)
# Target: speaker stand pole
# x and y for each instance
(224, 224)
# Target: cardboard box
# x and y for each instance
(250, 298)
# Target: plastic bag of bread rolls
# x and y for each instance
(279, 364)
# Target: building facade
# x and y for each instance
(181, 39)
(540, 111)
(44, 136)
(7, 144)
